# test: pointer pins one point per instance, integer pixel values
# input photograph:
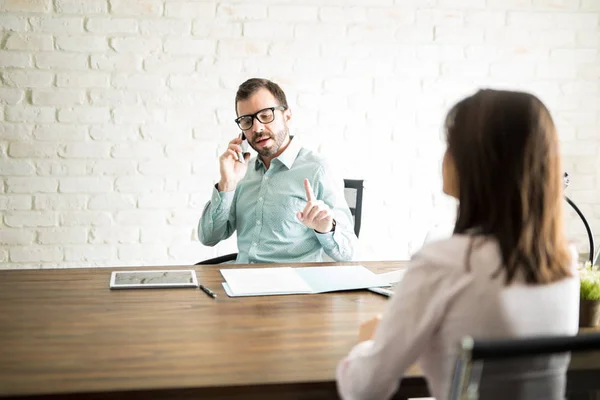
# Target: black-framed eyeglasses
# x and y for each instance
(264, 116)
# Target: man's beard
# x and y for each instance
(277, 139)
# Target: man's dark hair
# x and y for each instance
(252, 85)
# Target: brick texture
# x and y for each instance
(113, 112)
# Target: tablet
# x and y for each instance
(153, 279)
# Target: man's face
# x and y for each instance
(265, 138)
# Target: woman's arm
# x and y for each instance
(373, 368)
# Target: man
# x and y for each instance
(285, 204)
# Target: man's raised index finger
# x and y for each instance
(310, 196)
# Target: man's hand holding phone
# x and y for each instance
(232, 169)
(244, 145)
(316, 214)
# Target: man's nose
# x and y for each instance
(257, 126)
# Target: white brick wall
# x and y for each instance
(113, 112)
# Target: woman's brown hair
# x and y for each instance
(505, 149)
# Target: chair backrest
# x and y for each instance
(527, 368)
(353, 192)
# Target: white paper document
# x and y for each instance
(393, 277)
(264, 280)
(303, 280)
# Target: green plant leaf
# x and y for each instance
(590, 282)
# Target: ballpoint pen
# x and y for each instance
(208, 291)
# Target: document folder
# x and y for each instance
(301, 280)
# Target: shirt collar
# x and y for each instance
(288, 156)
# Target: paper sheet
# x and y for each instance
(340, 277)
(393, 277)
(252, 281)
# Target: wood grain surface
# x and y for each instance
(63, 331)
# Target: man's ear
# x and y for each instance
(287, 114)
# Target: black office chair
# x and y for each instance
(485, 368)
(353, 192)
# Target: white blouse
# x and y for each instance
(437, 303)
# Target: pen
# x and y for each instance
(208, 291)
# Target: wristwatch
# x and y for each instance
(333, 224)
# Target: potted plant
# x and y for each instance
(589, 306)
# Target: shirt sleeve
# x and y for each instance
(218, 218)
(373, 368)
(341, 244)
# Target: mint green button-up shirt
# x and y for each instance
(263, 210)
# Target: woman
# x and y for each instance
(506, 271)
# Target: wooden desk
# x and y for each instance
(63, 331)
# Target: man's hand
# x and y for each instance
(232, 171)
(316, 214)
(367, 329)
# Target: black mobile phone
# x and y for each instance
(244, 145)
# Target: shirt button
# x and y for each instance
(260, 199)
(257, 222)
(254, 244)
(266, 178)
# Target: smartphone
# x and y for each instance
(244, 145)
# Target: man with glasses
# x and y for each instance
(286, 205)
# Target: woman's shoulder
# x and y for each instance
(467, 254)
(452, 252)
